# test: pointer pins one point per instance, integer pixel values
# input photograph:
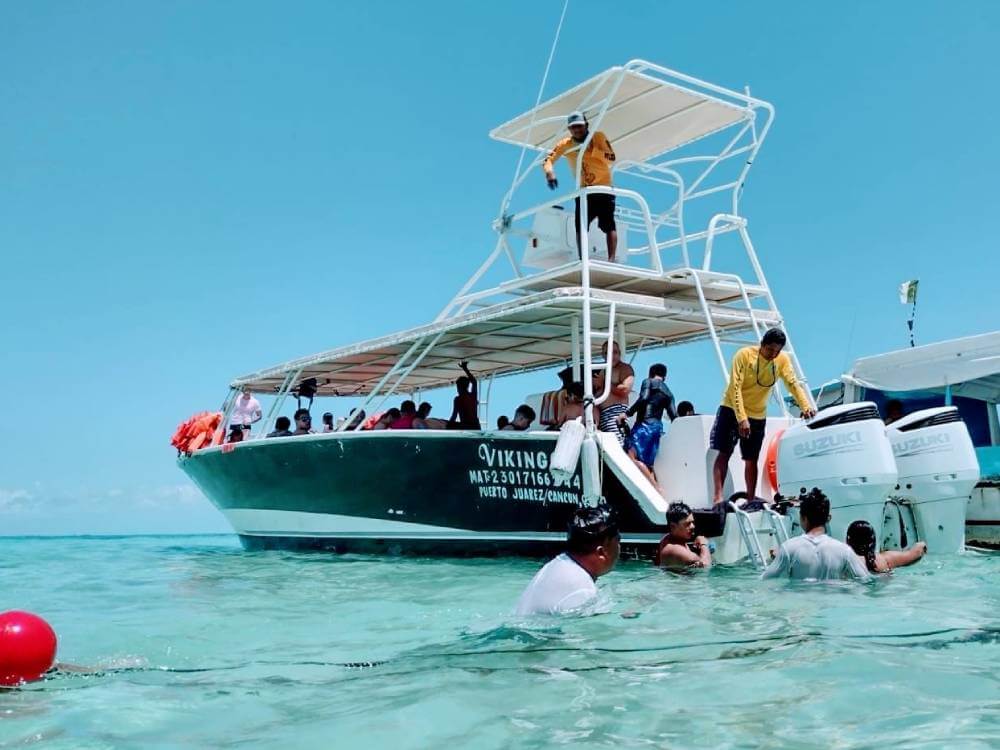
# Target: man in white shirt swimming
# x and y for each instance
(567, 582)
(815, 556)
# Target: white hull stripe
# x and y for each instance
(293, 523)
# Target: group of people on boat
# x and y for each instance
(246, 411)
(568, 582)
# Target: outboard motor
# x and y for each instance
(844, 451)
(938, 470)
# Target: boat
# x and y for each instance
(687, 272)
(947, 441)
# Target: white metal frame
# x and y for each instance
(748, 136)
(668, 246)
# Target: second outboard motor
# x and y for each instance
(844, 451)
(938, 470)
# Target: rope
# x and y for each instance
(538, 100)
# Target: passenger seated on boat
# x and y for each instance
(235, 434)
(386, 419)
(465, 411)
(524, 415)
(424, 420)
(681, 548)
(573, 408)
(502, 421)
(357, 419)
(303, 422)
(281, 425)
(567, 582)
(622, 380)
(861, 539)
(893, 411)
(554, 402)
(813, 555)
(407, 413)
(327, 422)
(685, 409)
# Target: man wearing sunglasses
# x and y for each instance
(303, 422)
(567, 582)
(742, 417)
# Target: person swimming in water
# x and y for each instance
(814, 555)
(681, 548)
(861, 539)
(567, 583)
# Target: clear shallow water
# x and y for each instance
(210, 646)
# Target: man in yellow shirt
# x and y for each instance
(743, 414)
(598, 159)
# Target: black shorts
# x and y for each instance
(726, 433)
(600, 206)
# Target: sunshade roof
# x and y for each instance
(971, 366)
(645, 117)
(525, 334)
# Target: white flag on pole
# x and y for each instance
(908, 292)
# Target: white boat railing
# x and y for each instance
(685, 179)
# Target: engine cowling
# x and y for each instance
(938, 470)
(844, 451)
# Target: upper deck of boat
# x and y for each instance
(527, 315)
(531, 330)
(678, 283)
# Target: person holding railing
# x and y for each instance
(465, 409)
(598, 159)
(245, 412)
(742, 417)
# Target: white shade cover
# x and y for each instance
(645, 117)
(970, 366)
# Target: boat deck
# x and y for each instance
(523, 334)
(678, 283)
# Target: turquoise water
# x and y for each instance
(209, 646)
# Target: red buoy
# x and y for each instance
(27, 647)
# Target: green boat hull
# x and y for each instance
(410, 492)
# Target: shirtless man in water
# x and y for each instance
(622, 379)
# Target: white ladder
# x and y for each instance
(778, 524)
(749, 534)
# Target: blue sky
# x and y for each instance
(193, 190)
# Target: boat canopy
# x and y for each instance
(530, 333)
(646, 116)
(969, 366)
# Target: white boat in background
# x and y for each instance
(947, 444)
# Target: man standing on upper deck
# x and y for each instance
(743, 414)
(597, 162)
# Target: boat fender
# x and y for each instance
(771, 460)
(590, 458)
(566, 456)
